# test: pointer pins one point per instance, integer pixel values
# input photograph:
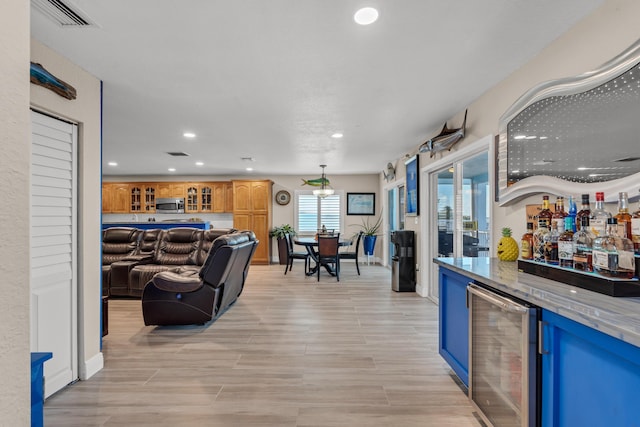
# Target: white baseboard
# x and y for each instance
(421, 290)
(91, 366)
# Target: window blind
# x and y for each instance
(314, 212)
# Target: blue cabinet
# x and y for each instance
(588, 378)
(454, 322)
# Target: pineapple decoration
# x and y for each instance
(507, 247)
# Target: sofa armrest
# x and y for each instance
(174, 282)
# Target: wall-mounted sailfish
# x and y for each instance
(445, 140)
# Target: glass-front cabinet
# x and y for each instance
(142, 198)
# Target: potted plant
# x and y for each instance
(369, 234)
(279, 233)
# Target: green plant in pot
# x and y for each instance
(370, 231)
(279, 233)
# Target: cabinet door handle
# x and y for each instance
(541, 326)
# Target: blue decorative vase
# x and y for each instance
(369, 243)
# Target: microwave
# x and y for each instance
(171, 205)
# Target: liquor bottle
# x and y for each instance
(585, 210)
(635, 230)
(572, 211)
(583, 245)
(623, 216)
(558, 215)
(566, 246)
(599, 217)
(526, 243)
(538, 240)
(612, 254)
(545, 213)
(551, 245)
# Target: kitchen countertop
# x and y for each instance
(615, 316)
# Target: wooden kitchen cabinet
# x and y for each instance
(115, 197)
(228, 197)
(199, 197)
(219, 198)
(171, 189)
(252, 211)
(142, 197)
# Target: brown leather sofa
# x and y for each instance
(155, 251)
(117, 244)
(184, 296)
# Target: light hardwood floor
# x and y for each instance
(290, 352)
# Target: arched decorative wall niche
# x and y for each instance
(574, 135)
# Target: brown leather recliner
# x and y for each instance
(117, 244)
(183, 296)
(144, 254)
(177, 247)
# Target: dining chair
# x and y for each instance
(326, 232)
(353, 254)
(328, 254)
(291, 255)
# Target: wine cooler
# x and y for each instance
(503, 358)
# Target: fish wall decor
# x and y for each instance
(41, 77)
(315, 182)
(390, 173)
(446, 139)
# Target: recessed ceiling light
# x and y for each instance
(249, 169)
(189, 135)
(366, 16)
(520, 137)
(172, 169)
(337, 135)
(112, 164)
(199, 163)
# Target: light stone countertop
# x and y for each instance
(615, 316)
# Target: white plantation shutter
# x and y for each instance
(314, 212)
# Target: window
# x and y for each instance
(313, 212)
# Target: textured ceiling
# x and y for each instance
(272, 80)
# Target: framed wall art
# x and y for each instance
(413, 188)
(361, 203)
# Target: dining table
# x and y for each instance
(311, 245)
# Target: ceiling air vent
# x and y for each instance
(628, 159)
(177, 153)
(64, 14)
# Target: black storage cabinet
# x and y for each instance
(403, 272)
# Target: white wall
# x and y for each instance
(84, 110)
(15, 137)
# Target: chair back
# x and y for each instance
(289, 240)
(360, 234)
(328, 245)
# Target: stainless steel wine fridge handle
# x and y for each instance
(504, 303)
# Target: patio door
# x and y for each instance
(459, 207)
(395, 217)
